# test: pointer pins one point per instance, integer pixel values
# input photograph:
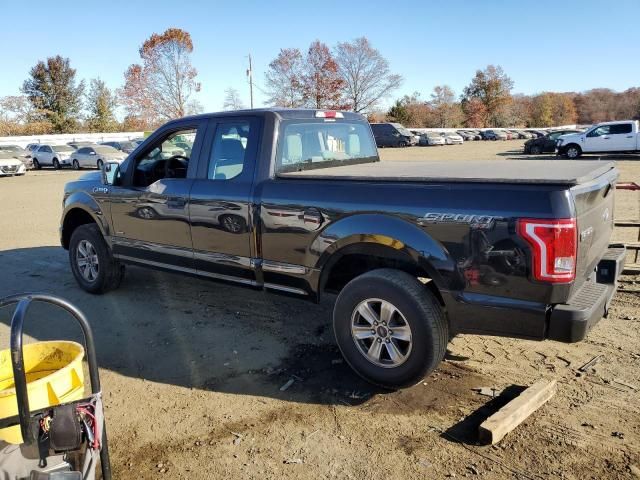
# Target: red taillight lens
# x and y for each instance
(554, 247)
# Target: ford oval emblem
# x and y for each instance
(605, 215)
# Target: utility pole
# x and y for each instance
(250, 75)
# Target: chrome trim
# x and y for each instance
(153, 247)
(228, 278)
(223, 258)
(155, 264)
(280, 267)
(274, 286)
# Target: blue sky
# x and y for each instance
(542, 45)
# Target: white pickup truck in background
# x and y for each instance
(621, 136)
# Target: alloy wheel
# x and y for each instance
(381, 333)
(87, 261)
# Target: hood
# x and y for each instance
(91, 177)
(9, 162)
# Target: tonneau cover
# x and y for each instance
(564, 172)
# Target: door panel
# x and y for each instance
(151, 221)
(219, 204)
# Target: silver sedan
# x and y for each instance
(95, 156)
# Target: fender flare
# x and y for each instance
(81, 200)
(376, 232)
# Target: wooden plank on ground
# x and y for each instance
(494, 428)
(626, 223)
(631, 269)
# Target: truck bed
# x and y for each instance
(518, 171)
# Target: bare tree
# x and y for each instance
(163, 87)
(284, 79)
(446, 111)
(232, 100)
(17, 108)
(366, 75)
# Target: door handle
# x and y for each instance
(629, 136)
(605, 138)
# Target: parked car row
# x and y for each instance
(77, 154)
(396, 135)
(15, 160)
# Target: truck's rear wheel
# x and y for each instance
(390, 329)
(92, 263)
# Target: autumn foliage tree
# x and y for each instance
(163, 86)
(283, 79)
(52, 90)
(322, 85)
(492, 87)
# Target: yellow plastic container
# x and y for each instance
(54, 376)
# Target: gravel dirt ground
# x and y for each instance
(192, 371)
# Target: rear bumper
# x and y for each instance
(572, 321)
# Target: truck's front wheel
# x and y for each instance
(390, 329)
(92, 263)
(572, 152)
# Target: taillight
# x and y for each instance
(554, 247)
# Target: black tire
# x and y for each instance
(419, 309)
(572, 151)
(109, 272)
(536, 150)
(56, 164)
(76, 165)
(36, 164)
(99, 164)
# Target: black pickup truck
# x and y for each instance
(297, 201)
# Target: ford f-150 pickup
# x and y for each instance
(297, 201)
(609, 137)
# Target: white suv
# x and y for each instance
(53, 155)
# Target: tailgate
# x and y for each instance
(594, 204)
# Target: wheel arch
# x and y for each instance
(80, 209)
(362, 243)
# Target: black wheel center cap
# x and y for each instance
(382, 331)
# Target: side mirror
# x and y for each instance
(110, 173)
(92, 152)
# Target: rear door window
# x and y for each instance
(229, 150)
(620, 129)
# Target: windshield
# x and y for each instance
(307, 145)
(402, 130)
(62, 148)
(105, 149)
